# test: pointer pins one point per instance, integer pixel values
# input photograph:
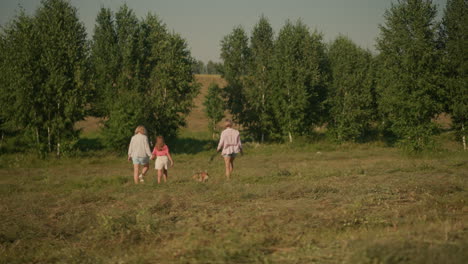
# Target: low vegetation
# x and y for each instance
(307, 202)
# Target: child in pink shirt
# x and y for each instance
(163, 157)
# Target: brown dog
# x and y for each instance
(201, 176)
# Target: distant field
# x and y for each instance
(306, 202)
(197, 120)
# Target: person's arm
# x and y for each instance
(240, 144)
(147, 148)
(170, 157)
(221, 143)
(153, 156)
(130, 149)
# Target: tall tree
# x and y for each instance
(214, 107)
(235, 54)
(64, 58)
(105, 59)
(455, 39)
(409, 77)
(299, 76)
(351, 96)
(127, 29)
(155, 85)
(21, 80)
(258, 90)
(48, 78)
(172, 86)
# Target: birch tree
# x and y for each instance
(455, 44)
(410, 85)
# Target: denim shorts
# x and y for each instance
(140, 160)
(232, 155)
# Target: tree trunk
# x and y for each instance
(463, 137)
(290, 137)
(49, 139)
(58, 146)
(37, 136)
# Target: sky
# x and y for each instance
(203, 23)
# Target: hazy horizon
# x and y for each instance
(203, 23)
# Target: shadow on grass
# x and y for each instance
(89, 144)
(188, 145)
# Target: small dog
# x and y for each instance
(201, 176)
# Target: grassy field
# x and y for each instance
(306, 202)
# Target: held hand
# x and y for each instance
(152, 157)
(129, 158)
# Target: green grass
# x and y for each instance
(299, 203)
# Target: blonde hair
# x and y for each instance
(160, 143)
(141, 130)
(227, 122)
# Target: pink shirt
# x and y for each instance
(163, 152)
(230, 141)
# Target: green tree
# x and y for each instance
(455, 41)
(351, 92)
(127, 29)
(409, 84)
(299, 76)
(155, 85)
(214, 107)
(213, 67)
(172, 87)
(235, 54)
(48, 75)
(258, 88)
(21, 81)
(199, 67)
(105, 61)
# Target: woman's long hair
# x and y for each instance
(160, 143)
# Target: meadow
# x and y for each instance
(311, 201)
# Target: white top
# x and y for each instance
(229, 141)
(139, 147)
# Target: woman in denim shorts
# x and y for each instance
(139, 152)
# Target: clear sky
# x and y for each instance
(204, 22)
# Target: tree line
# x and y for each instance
(133, 71)
(280, 85)
(211, 67)
(288, 84)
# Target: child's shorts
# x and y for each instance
(161, 162)
(140, 160)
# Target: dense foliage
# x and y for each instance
(410, 84)
(351, 96)
(146, 80)
(454, 38)
(44, 77)
(279, 86)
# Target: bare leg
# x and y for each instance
(159, 176)
(227, 163)
(164, 175)
(145, 169)
(232, 164)
(136, 168)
